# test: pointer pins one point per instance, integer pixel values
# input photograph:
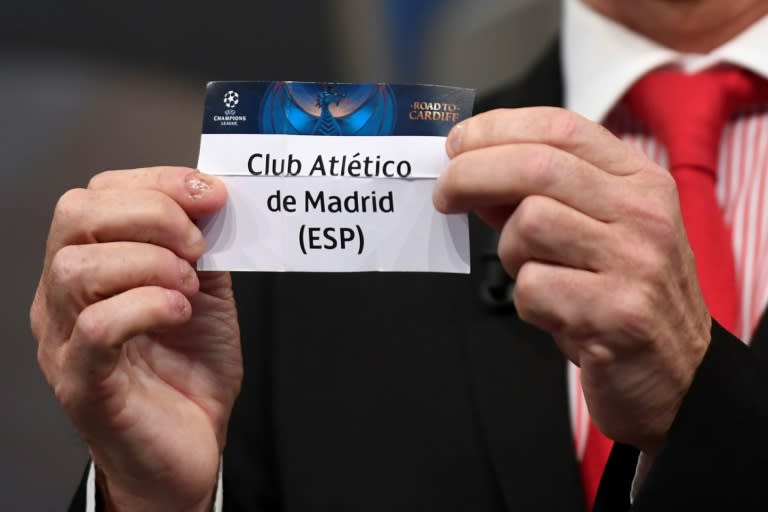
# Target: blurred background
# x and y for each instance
(89, 86)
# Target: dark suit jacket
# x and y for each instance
(420, 392)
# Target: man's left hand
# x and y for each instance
(591, 232)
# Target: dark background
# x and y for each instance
(90, 86)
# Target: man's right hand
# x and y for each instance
(141, 350)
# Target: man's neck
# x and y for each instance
(689, 26)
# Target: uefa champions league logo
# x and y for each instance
(230, 117)
(231, 99)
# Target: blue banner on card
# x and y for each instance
(324, 108)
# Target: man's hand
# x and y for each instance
(142, 352)
(592, 234)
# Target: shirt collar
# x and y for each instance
(602, 59)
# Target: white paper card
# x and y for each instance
(330, 223)
(331, 177)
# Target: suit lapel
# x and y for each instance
(760, 339)
(517, 374)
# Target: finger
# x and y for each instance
(81, 275)
(555, 127)
(148, 216)
(101, 329)
(504, 175)
(544, 229)
(197, 193)
(561, 301)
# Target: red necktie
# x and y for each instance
(596, 451)
(687, 113)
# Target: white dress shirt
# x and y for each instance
(601, 61)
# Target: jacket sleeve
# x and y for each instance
(87, 493)
(79, 499)
(716, 453)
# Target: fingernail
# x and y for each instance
(197, 186)
(177, 301)
(438, 199)
(195, 238)
(187, 275)
(454, 140)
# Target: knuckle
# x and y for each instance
(626, 151)
(159, 266)
(509, 255)
(45, 321)
(161, 261)
(492, 125)
(48, 363)
(633, 310)
(563, 125)
(65, 394)
(453, 181)
(67, 266)
(666, 182)
(663, 188)
(69, 206)
(42, 360)
(163, 218)
(90, 327)
(532, 304)
(648, 262)
(525, 288)
(655, 217)
(101, 179)
(151, 177)
(44, 364)
(669, 194)
(36, 318)
(661, 226)
(531, 218)
(540, 160)
(166, 210)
